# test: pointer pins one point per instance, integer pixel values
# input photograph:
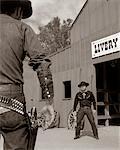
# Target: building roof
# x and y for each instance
(59, 51)
(79, 14)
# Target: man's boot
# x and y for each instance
(95, 132)
(77, 133)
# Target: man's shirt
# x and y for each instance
(84, 99)
(16, 40)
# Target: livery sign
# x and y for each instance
(107, 45)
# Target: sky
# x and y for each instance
(45, 10)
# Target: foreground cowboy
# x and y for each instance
(16, 41)
(85, 99)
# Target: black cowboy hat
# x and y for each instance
(25, 5)
(83, 83)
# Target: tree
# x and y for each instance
(55, 35)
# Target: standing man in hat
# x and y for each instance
(16, 41)
(85, 99)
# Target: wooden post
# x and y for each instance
(106, 100)
(106, 109)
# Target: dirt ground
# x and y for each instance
(63, 139)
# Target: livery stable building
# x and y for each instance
(94, 56)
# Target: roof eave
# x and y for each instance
(78, 14)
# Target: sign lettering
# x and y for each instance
(106, 45)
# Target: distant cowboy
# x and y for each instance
(85, 99)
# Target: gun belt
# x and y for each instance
(12, 104)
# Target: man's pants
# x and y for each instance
(80, 115)
(13, 126)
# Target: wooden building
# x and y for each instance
(94, 56)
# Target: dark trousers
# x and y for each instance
(80, 115)
(13, 126)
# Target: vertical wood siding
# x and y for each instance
(98, 19)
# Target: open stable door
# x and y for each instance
(108, 92)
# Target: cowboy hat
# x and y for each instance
(83, 83)
(24, 4)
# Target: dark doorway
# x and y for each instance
(108, 92)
